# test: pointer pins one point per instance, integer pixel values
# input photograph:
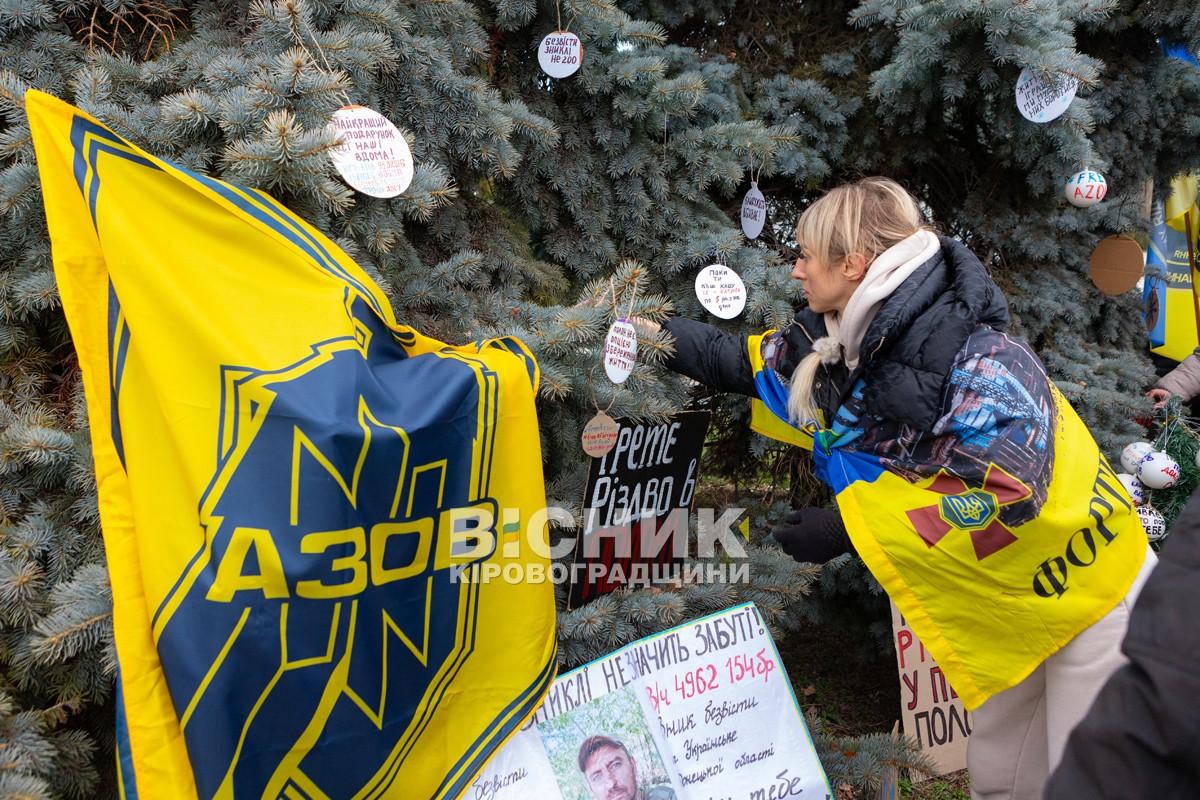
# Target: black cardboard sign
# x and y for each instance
(636, 504)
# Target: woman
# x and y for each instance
(968, 486)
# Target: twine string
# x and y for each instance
(321, 52)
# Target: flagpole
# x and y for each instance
(1187, 227)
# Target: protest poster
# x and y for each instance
(636, 504)
(1168, 301)
(701, 711)
(929, 706)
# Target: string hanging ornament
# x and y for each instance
(721, 290)
(754, 205)
(1085, 188)
(1041, 101)
(620, 344)
(373, 157)
(1167, 459)
(620, 353)
(560, 53)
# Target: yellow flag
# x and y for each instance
(295, 492)
(768, 411)
(1180, 208)
(993, 570)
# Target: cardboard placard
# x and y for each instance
(929, 706)
(641, 490)
(1117, 264)
(700, 711)
(600, 435)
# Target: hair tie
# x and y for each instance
(829, 349)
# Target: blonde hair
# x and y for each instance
(867, 216)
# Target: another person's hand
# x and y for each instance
(1159, 396)
(813, 535)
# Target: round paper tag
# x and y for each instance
(560, 54)
(600, 435)
(620, 350)
(721, 291)
(1039, 101)
(1117, 264)
(373, 157)
(754, 212)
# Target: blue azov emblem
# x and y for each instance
(307, 644)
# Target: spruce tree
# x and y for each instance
(933, 85)
(928, 93)
(537, 203)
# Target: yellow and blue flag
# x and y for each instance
(1000, 533)
(293, 490)
(1169, 292)
(769, 411)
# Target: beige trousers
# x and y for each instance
(1018, 736)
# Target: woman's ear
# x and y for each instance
(855, 268)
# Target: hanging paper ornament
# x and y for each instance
(373, 157)
(600, 435)
(1198, 459)
(1153, 522)
(1039, 101)
(620, 350)
(1133, 454)
(1137, 492)
(721, 291)
(754, 212)
(1117, 264)
(1085, 189)
(1158, 471)
(560, 54)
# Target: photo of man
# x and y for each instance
(611, 772)
(606, 750)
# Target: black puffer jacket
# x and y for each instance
(906, 353)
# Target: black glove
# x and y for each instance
(813, 535)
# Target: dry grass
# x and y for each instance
(954, 786)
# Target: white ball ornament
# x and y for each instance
(1133, 454)
(1137, 492)
(1085, 189)
(1158, 471)
(1153, 522)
